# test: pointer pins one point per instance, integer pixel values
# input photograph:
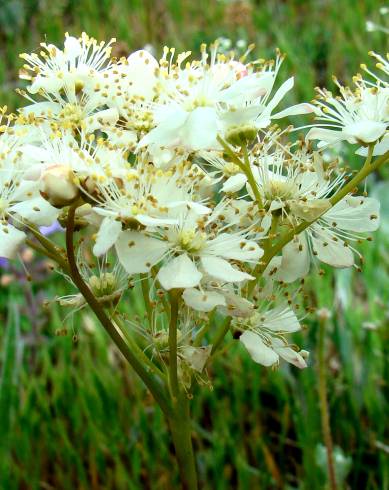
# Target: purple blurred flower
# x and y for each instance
(3, 263)
(48, 230)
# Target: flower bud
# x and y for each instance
(241, 135)
(58, 186)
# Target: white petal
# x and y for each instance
(150, 221)
(200, 130)
(332, 252)
(203, 300)
(295, 110)
(295, 260)
(26, 190)
(366, 131)
(259, 352)
(379, 149)
(10, 241)
(281, 319)
(234, 183)
(223, 270)
(41, 108)
(359, 214)
(179, 273)
(237, 306)
(137, 252)
(280, 94)
(327, 135)
(37, 210)
(198, 208)
(51, 84)
(168, 131)
(106, 236)
(140, 70)
(310, 210)
(196, 357)
(247, 88)
(289, 354)
(241, 116)
(121, 137)
(234, 247)
(107, 117)
(72, 47)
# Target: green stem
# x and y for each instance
(150, 381)
(324, 409)
(173, 374)
(203, 331)
(138, 351)
(180, 423)
(42, 251)
(245, 167)
(49, 249)
(146, 296)
(54, 249)
(220, 334)
(251, 179)
(180, 428)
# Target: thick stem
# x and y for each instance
(180, 423)
(324, 409)
(180, 428)
(150, 381)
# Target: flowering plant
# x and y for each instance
(173, 179)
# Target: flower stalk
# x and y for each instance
(323, 399)
(181, 429)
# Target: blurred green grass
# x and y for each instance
(71, 414)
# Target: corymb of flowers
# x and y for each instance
(181, 181)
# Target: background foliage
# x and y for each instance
(71, 414)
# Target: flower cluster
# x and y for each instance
(181, 175)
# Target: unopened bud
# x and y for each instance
(58, 186)
(241, 135)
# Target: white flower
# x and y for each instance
(329, 239)
(144, 197)
(210, 294)
(19, 199)
(264, 336)
(90, 160)
(358, 116)
(292, 183)
(206, 98)
(130, 82)
(191, 249)
(87, 113)
(79, 65)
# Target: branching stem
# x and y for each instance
(150, 381)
